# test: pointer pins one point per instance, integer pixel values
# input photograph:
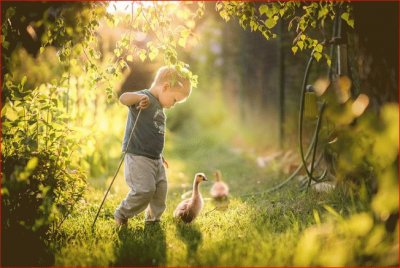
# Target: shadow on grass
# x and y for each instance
(192, 237)
(22, 247)
(141, 246)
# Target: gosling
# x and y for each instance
(219, 190)
(188, 209)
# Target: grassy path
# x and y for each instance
(262, 230)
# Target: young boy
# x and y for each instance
(144, 170)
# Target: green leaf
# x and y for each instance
(265, 34)
(123, 64)
(319, 48)
(294, 49)
(351, 23)
(4, 110)
(253, 25)
(224, 15)
(332, 211)
(322, 12)
(300, 44)
(346, 17)
(142, 54)
(117, 52)
(328, 59)
(32, 163)
(263, 9)
(270, 23)
(182, 42)
(317, 56)
(313, 24)
(219, 6)
(23, 80)
(153, 53)
(11, 114)
(184, 34)
(316, 217)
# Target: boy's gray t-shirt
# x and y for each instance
(148, 137)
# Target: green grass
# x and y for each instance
(261, 230)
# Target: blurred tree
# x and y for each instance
(46, 23)
(375, 51)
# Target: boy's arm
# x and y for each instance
(132, 98)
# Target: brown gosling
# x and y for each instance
(188, 209)
(219, 190)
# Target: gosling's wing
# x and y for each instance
(226, 187)
(219, 189)
(182, 208)
(214, 190)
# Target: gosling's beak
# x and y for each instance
(205, 178)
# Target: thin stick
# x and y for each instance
(115, 175)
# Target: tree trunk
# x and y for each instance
(375, 55)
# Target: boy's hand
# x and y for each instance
(143, 102)
(165, 162)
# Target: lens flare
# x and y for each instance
(360, 104)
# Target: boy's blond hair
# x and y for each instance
(170, 74)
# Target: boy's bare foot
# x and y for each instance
(120, 222)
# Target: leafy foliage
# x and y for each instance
(45, 153)
(41, 179)
(308, 20)
(165, 27)
(362, 147)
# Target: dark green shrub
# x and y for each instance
(40, 183)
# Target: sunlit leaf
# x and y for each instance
(270, 23)
(263, 9)
(316, 217)
(360, 224)
(23, 80)
(317, 56)
(307, 248)
(300, 44)
(332, 211)
(319, 48)
(11, 114)
(346, 17)
(253, 26)
(32, 163)
(153, 53)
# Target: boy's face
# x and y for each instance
(171, 95)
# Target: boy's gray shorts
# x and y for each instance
(147, 181)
